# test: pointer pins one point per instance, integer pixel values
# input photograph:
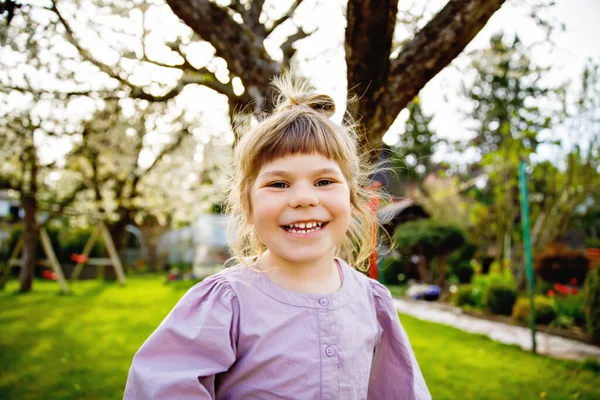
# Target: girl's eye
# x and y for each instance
(324, 182)
(279, 185)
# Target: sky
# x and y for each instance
(320, 57)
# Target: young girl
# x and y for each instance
(292, 320)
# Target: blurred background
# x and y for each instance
(115, 152)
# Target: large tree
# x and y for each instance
(384, 85)
(383, 79)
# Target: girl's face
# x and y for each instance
(301, 208)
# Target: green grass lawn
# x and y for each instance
(80, 346)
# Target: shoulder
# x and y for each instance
(232, 282)
(376, 289)
(214, 288)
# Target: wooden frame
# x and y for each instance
(113, 259)
(51, 260)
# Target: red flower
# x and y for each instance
(551, 293)
(573, 282)
(574, 290)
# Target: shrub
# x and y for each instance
(544, 310)
(464, 271)
(482, 281)
(431, 239)
(592, 303)
(563, 321)
(467, 295)
(559, 264)
(571, 306)
(500, 298)
(395, 270)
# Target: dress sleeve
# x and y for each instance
(395, 373)
(195, 342)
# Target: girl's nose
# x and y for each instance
(303, 196)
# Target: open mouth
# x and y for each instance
(304, 228)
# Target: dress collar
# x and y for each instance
(330, 301)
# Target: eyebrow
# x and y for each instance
(283, 173)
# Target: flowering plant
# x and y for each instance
(564, 290)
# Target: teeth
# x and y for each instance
(304, 228)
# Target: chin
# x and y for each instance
(302, 257)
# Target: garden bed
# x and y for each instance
(575, 333)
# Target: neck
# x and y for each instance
(316, 276)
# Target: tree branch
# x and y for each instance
(252, 17)
(237, 7)
(236, 43)
(191, 75)
(432, 49)
(287, 48)
(284, 18)
(104, 94)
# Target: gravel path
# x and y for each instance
(553, 346)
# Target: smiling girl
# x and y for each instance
(294, 319)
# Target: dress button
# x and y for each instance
(330, 351)
(324, 301)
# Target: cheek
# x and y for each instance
(264, 208)
(343, 206)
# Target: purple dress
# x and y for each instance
(237, 335)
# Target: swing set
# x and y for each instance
(81, 259)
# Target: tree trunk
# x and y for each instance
(441, 278)
(117, 229)
(422, 267)
(431, 50)
(28, 259)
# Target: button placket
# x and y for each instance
(324, 301)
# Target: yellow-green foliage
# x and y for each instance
(545, 310)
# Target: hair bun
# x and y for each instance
(294, 91)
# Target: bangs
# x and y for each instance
(307, 133)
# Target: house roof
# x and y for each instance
(387, 213)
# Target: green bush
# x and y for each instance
(571, 306)
(592, 242)
(464, 272)
(395, 270)
(563, 321)
(592, 303)
(482, 281)
(500, 298)
(467, 295)
(545, 311)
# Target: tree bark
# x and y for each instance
(369, 33)
(441, 263)
(432, 49)
(117, 228)
(28, 258)
(422, 267)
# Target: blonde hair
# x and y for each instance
(300, 124)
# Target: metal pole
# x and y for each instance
(527, 248)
